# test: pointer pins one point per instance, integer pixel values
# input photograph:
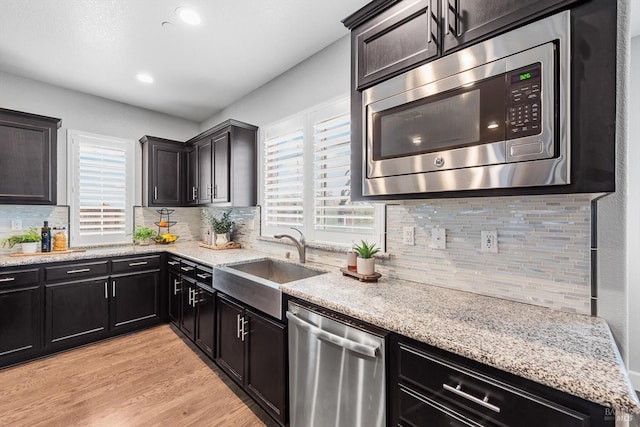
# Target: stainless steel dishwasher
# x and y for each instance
(336, 371)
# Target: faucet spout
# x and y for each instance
(300, 244)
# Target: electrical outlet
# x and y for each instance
(16, 224)
(489, 241)
(439, 238)
(408, 236)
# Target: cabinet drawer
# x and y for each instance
(478, 396)
(136, 264)
(19, 277)
(204, 275)
(418, 410)
(174, 263)
(188, 269)
(73, 271)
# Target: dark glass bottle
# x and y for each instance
(46, 237)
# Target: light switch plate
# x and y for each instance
(408, 236)
(489, 241)
(439, 238)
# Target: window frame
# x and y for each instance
(74, 138)
(305, 121)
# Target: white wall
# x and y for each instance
(633, 216)
(321, 77)
(91, 114)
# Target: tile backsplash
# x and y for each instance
(31, 216)
(543, 258)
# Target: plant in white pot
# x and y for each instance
(221, 227)
(366, 262)
(28, 240)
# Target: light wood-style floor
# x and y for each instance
(150, 378)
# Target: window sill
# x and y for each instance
(322, 246)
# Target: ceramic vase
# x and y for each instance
(222, 239)
(29, 248)
(365, 266)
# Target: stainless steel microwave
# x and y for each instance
(494, 115)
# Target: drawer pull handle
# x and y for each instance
(186, 268)
(133, 264)
(482, 402)
(203, 276)
(173, 263)
(7, 279)
(82, 270)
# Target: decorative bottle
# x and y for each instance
(46, 237)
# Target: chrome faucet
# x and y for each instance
(300, 244)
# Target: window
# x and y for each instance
(307, 179)
(100, 188)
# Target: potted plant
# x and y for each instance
(221, 227)
(365, 262)
(28, 240)
(143, 235)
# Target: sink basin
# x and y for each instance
(276, 271)
(256, 283)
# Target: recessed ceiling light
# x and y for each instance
(188, 16)
(144, 78)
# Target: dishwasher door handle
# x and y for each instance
(363, 349)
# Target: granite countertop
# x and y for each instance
(569, 352)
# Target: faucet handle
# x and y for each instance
(301, 235)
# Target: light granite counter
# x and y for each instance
(569, 352)
(572, 353)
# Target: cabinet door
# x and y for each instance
(205, 321)
(188, 319)
(205, 171)
(193, 190)
(266, 364)
(395, 40)
(20, 320)
(166, 173)
(230, 347)
(135, 299)
(175, 297)
(221, 164)
(467, 21)
(27, 164)
(76, 312)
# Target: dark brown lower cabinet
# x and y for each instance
(188, 318)
(20, 321)
(77, 311)
(266, 363)
(135, 299)
(205, 321)
(230, 346)
(429, 386)
(175, 297)
(251, 348)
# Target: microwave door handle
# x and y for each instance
(429, 23)
(445, 10)
(363, 349)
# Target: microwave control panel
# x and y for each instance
(524, 106)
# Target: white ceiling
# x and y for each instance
(98, 46)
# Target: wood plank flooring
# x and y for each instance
(150, 378)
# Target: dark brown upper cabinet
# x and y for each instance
(191, 194)
(389, 37)
(162, 172)
(227, 164)
(28, 164)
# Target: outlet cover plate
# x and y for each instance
(489, 241)
(439, 238)
(16, 224)
(408, 236)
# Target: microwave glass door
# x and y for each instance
(462, 117)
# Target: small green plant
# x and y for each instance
(219, 226)
(366, 250)
(140, 234)
(31, 235)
